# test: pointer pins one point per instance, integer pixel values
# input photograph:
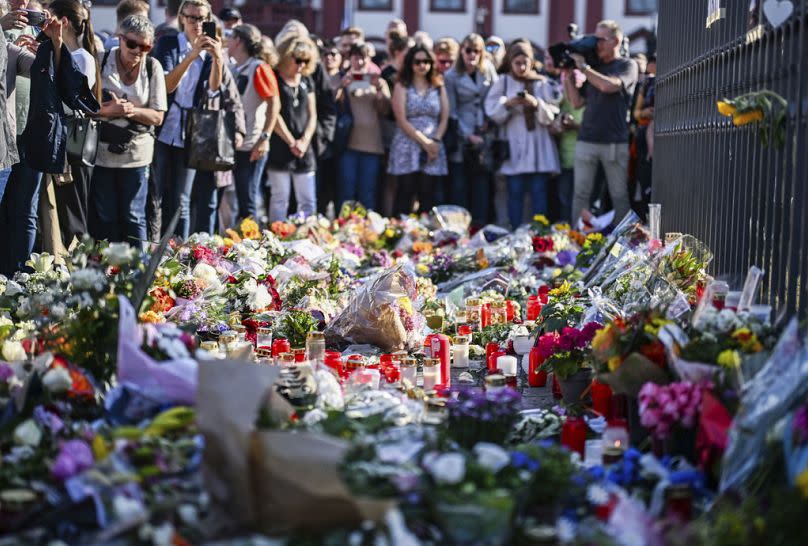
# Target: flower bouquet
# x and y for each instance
(670, 413)
(564, 308)
(566, 354)
(628, 353)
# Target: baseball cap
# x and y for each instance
(229, 14)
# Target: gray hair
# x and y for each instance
(138, 25)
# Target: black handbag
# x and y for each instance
(451, 140)
(210, 139)
(82, 139)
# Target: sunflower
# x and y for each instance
(745, 118)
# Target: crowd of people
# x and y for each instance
(97, 136)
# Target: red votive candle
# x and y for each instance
(536, 377)
(602, 398)
(573, 434)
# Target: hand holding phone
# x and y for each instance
(209, 29)
(521, 94)
(35, 18)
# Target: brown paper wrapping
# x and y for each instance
(269, 480)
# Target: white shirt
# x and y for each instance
(86, 63)
(172, 132)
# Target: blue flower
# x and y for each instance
(597, 472)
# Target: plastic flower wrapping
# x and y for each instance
(128, 376)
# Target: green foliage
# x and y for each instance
(294, 325)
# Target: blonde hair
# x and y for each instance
(477, 41)
(613, 27)
(299, 47)
(448, 46)
(292, 28)
(198, 3)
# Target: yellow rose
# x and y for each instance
(614, 363)
(746, 118)
(802, 483)
(422, 269)
(541, 219)
(725, 108)
(729, 359)
(389, 233)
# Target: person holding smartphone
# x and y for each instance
(186, 58)
(523, 103)
(369, 98)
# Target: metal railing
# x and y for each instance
(716, 181)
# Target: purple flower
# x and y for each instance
(75, 456)
(566, 257)
(800, 425)
(6, 372)
(47, 419)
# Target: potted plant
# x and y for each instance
(566, 354)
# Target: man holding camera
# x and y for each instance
(603, 137)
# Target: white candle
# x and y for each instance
(431, 377)
(507, 365)
(461, 356)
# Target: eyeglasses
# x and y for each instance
(134, 44)
(472, 51)
(332, 53)
(301, 62)
(193, 18)
(422, 62)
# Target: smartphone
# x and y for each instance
(106, 96)
(35, 18)
(358, 77)
(209, 29)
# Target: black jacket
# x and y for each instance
(45, 136)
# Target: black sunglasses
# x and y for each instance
(132, 44)
(470, 50)
(193, 18)
(300, 61)
(418, 62)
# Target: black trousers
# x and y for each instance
(418, 187)
(73, 203)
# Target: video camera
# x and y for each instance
(585, 45)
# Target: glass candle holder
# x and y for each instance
(263, 338)
(573, 434)
(499, 313)
(494, 383)
(460, 352)
(536, 376)
(286, 359)
(533, 308)
(409, 370)
(431, 373)
(315, 347)
(507, 365)
(602, 398)
(474, 311)
(281, 345)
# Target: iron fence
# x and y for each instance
(716, 181)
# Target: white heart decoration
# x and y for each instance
(778, 12)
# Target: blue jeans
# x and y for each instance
(204, 203)
(173, 182)
(566, 188)
(471, 188)
(359, 175)
(247, 179)
(4, 175)
(18, 216)
(119, 196)
(518, 184)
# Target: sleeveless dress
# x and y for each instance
(406, 155)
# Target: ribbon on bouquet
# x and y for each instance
(669, 471)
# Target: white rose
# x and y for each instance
(57, 380)
(448, 468)
(260, 298)
(118, 254)
(206, 272)
(12, 288)
(27, 434)
(13, 351)
(491, 456)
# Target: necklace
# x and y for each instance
(295, 93)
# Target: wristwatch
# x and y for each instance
(585, 67)
(264, 136)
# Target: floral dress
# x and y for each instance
(406, 155)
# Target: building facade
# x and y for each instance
(542, 21)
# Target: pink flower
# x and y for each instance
(548, 344)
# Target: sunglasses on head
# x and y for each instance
(422, 62)
(301, 62)
(491, 48)
(471, 50)
(134, 44)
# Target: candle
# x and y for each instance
(409, 369)
(507, 365)
(485, 315)
(431, 373)
(616, 435)
(333, 360)
(368, 376)
(492, 361)
(263, 338)
(460, 352)
(536, 376)
(533, 307)
(556, 388)
(679, 502)
(573, 434)
(602, 399)
(612, 455)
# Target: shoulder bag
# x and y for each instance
(210, 133)
(82, 139)
(344, 124)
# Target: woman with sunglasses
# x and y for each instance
(187, 58)
(292, 162)
(259, 95)
(134, 92)
(467, 86)
(421, 107)
(523, 103)
(73, 196)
